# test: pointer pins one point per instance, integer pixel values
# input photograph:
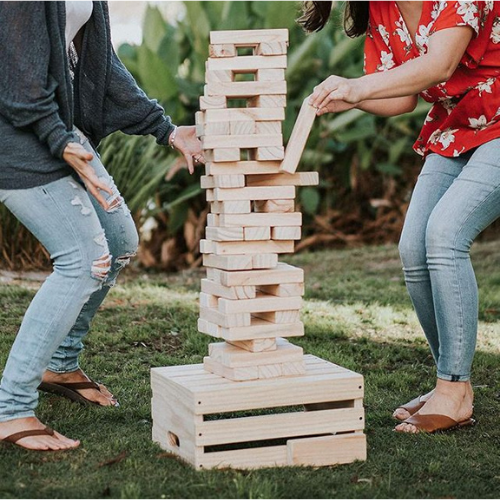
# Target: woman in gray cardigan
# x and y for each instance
(54, 110)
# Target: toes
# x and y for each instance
(401, 414)
(408, 428)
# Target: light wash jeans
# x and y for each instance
(453, 201)
(89, 246)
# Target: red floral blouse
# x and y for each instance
(466, 110)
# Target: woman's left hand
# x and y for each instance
(189, 145)
(336, 94)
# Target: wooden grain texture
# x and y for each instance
(248, 37)
(242, 64)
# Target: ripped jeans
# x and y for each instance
(89, 246)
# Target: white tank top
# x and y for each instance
(77, 14)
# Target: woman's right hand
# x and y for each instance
(78, 158)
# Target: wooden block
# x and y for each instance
(262, 303)
(243, 114)
(222, 50)
(258, 329)
(244, 38)
(242, 64)
(286, 233)
(283, 290)
(270, 75)
(268, 127)
(218, 75)
(267, 101)
(252, 193)
(238, 248)
(271, 48)
(244, 127)
(212, 102)
(270, 153)
(200, 130)
(255, 345)
(326, 450)
(245, 89)
(225, 320)
(242, 141)
(213, 220)
(206, 246)
(270, 371)
(284, 179)
(298, 138)
(231, 207)
(225, 234)
(242, 373)
(207, 300)
(293, 368)
(242, 167)
(256, 233)
(222, 181)
(222, 155)
(275, 219)
(199, 117)
(283, 273)
(214, 128)
(228, 262)
(233, 292)
(264, 261)
(278, 317)
(234, 357)
(274, 206)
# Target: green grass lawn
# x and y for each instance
(357, 314)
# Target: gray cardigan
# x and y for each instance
(38, 106)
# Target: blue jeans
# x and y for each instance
(89, 246)
(453, 201)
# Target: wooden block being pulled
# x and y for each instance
(225, 234)
(243, 167)
(242, 141)
(252, 193)
(255, 345)
(242, 64)
(284, 179)
(245, 89)
(225, 320)
(286, 233)
(248, 38)
(212, 102)
(243, 114)
(262, 303)
(283, 290)
(283, 273)
(222, 155)
(256, 233)
(228, 292)
(274, 206)
(231, 207)
(222, 50)
(271, 48)
(274, 219)
(291, 316)
(298, 138)
(213, 128)
(222, 181)
(238, 248)
(228, 262)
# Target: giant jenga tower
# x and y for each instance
(256, 401)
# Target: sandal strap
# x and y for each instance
(79, 385)
(14, 438)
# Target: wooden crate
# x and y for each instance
(315, 419)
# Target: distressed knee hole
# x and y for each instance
(124, 260)
(77, 202)
(101, 267)
(115, 203)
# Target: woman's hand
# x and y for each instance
(78, 158)
(186, 142)
(336, 94)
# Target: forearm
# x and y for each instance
(389, 107)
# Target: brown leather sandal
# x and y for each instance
(70, 390)
(435, 423)
(17, 436)
(411, 407)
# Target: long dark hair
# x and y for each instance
(316, 14)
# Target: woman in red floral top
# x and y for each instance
(449, 54)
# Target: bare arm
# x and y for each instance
(446, 48)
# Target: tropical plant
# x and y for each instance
(366, 163)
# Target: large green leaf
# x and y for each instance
(154, 28)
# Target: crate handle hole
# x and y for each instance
(173, 439)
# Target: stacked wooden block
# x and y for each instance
(305, 411)
(249, 299)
